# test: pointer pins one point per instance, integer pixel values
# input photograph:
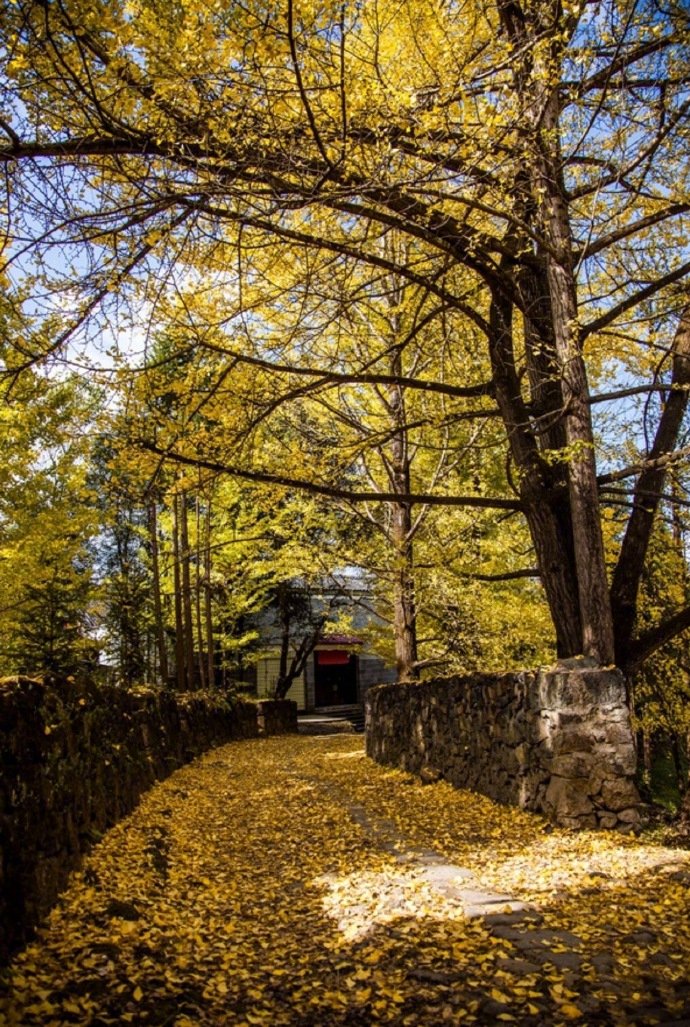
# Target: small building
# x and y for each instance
(337, 674)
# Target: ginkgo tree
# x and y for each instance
(535, 153)
(382, 430)
(47, 522)
(231, 568)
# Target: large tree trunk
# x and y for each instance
(545, 505)
(588, 545)
(569, 544)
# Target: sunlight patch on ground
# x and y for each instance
(570, 862)
(290, 882)
(355, 755)
(360, 902)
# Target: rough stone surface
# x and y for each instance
(556, 741)
(276, 716)
(75, 758)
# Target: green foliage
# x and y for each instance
(47, 520)
(661, 689)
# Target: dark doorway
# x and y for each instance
(335, 678)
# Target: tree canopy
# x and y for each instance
(270, 169)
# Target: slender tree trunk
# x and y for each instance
(156, 585)
(405, 614)
(179, 625)
(676, 752)
(678, 532)
(647, 496)
(404, 602)
(187, 594)
(686, 793)
(644, 763)
(208, 610)
(197, 595)
(284, 615)
(291, 670)
(647, 753)
(399, 471)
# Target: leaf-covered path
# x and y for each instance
(292, 881)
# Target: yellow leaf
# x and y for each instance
(137, 994)
(372, 957)
(569, 1010)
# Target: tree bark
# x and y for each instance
(197, 594)
(405, 613)
(156, 585)
(588, 545)
(177, 587)
(545, 509)
(185, 557)
(404, 603)
(208, 609)
(536, 81)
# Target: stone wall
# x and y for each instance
(556, 741)
(276, 716)
(76, 758)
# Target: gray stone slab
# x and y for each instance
(564, 960)
(525, 916)
(519, 967)
(446, 875)
(481, 903)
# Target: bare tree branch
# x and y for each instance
(284, 481)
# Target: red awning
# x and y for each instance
(332, 657)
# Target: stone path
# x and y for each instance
(506, 917)
(453, 882)
(293, 883)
